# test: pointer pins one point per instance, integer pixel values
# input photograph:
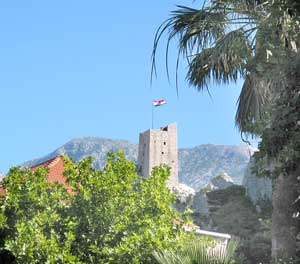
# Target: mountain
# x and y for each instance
(196, 165)
(97, 148)
(200, 164)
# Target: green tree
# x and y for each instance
(34, 218)
(121, 218)
(285, 158)
(226, 40)
(257, 41)
(232, 212)
(222, 42)
(111, 216)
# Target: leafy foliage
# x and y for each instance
(111, 216)
(34, 218)
(233, 212)
(284, 130)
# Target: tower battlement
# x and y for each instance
(156, 147)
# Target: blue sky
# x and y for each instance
(82, 68)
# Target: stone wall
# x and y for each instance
(156, 147)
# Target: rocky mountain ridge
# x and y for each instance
(1, 176)
(222, 181)
(197, 165)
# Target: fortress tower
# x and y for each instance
(156, 147)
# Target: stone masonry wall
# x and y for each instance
(156, 147)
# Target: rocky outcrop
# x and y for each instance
(183, 192)
(1, 176)
(256, 188)
(184, 196)
(200, 203)
(222, 181)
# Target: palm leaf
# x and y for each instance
(198, 252)
(254, 95)
(223, 63)
(196, 29)
(169, 257)
(257, 93)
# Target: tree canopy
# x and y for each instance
(111, 216)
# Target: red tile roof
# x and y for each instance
(56, 169)
(55, 174)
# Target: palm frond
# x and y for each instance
(223, 63)
(195, 28)
(240, 8)
(198, 252)
(254, 95)
(169, 257)
(257, 94)
(201, 253)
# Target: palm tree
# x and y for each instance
(222, 42)
(254, 40)
(198, 252)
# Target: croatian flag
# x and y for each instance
(159, 102)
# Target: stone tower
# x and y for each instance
(156, 147)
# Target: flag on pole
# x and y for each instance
(159, 102)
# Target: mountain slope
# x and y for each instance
(200, 164)
(97, 148)
(196, 165)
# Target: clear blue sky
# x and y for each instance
(82, 68)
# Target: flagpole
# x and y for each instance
(152, 115)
